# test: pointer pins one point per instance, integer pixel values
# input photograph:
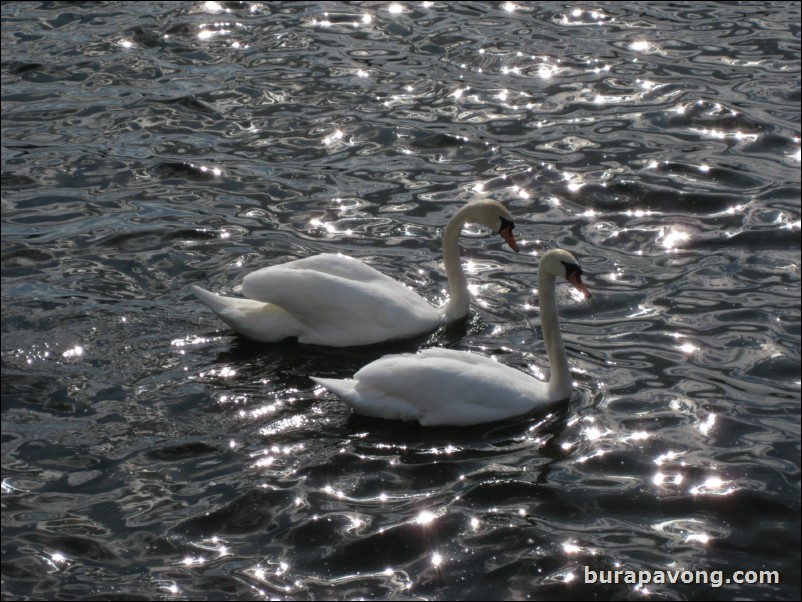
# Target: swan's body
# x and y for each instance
(338, 301)
(439, 387)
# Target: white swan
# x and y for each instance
(338, 301)
(443, 387)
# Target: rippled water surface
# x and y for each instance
(149, 452)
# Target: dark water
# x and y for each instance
(150, 453)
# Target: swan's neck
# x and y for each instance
(459, 299)
(560, 381)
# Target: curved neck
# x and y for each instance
(560, 380)
(459, 299)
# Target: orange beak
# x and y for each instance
(506, 232)
(576, 280)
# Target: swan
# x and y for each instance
(444, 387)
(338, 301)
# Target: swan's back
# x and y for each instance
(258, 285)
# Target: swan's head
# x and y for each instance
(559, 262)
(493, 215)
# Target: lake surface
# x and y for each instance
(148, 452)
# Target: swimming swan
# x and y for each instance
(338, 301)
(444, 387)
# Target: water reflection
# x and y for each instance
(302, 144)
(74, 352)
(713, 485)
(580, 16)
(643, 46)
(686, 530)
(56, 560)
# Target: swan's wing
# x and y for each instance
(339, 298)
(260, 285)
(442, 387)
(341, 265)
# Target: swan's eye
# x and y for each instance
(505, 223)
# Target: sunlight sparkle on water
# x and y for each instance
(264, 410)
(672, 238)
(213, 7)
(189, 560)
(546, 71)
(207, 34)
(593, 433)
(224, 372)
(425, 517)
(55, 559)
(700, 537)
(660, 479)
(706, 425)
(335, 492)
(356, 522)
(189, 340)
(332, 138)
(575, 181)
(690, 530)
(521, 193)
(264, 462)
(215, 171)
(718, 134)
(713, 485)
(669, 456)
(76, 351)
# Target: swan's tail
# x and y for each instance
(371, 402)
(237, 312)
(256, 320)
(342, 388)
(217, 303)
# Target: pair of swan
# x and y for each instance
(338, 301)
